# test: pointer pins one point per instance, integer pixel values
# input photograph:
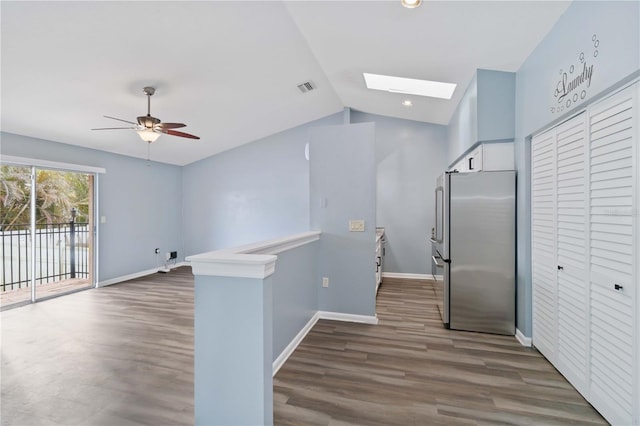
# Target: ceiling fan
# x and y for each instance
(150, 128)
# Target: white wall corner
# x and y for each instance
(524, 341)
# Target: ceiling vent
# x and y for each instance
(307, 86)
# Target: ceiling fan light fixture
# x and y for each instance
(148, 135)
(148, 127)
(411, 4)
(148, 122)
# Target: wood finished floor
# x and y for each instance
(123, 355)
(115, 356)
(410, 370)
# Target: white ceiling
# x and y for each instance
(229, 70)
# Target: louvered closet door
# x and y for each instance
(612, 139)
(571, 228)
(543, 243)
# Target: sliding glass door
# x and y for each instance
(15, 234)
(47, 233)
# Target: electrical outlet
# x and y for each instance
(325, 282)
(157, 250)
(356, 226)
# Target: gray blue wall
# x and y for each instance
(255, 192)
(295, 293)
(141, 203)
(260, 190)
(485, 112)
(496, 105)
(616, 26)
(409, 157)
(233, 347)
(463, 126)
(342, 188)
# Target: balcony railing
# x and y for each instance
(61, 253)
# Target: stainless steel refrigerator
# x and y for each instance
(474, 238)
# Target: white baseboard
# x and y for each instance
(123, 278)
(524, 341)
(286, 352)
(337, 316)
(179, 264)
(405, 276)
(135, 275)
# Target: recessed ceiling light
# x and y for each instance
(411, 4)
(407, 103)
(409, 86)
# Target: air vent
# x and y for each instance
(307, 86)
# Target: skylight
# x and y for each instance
(409, 86)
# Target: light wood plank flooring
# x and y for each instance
(115, 356)
(123, 355)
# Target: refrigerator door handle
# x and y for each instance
(438, 233)
(439, 256)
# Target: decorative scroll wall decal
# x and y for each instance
(573, 83)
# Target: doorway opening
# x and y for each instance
(46, 233)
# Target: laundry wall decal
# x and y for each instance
(573, 83)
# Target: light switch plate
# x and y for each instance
(356, 226)
(325, 282)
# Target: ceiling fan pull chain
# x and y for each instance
(148, 154)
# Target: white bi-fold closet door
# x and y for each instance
(585, 255)
(559, 238)
(613, 281)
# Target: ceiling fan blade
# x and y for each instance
(120, 119)
(115, 128)
(171, 125)
(181, 134)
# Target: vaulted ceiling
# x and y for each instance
(230, 70)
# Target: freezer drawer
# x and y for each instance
(439, 287)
